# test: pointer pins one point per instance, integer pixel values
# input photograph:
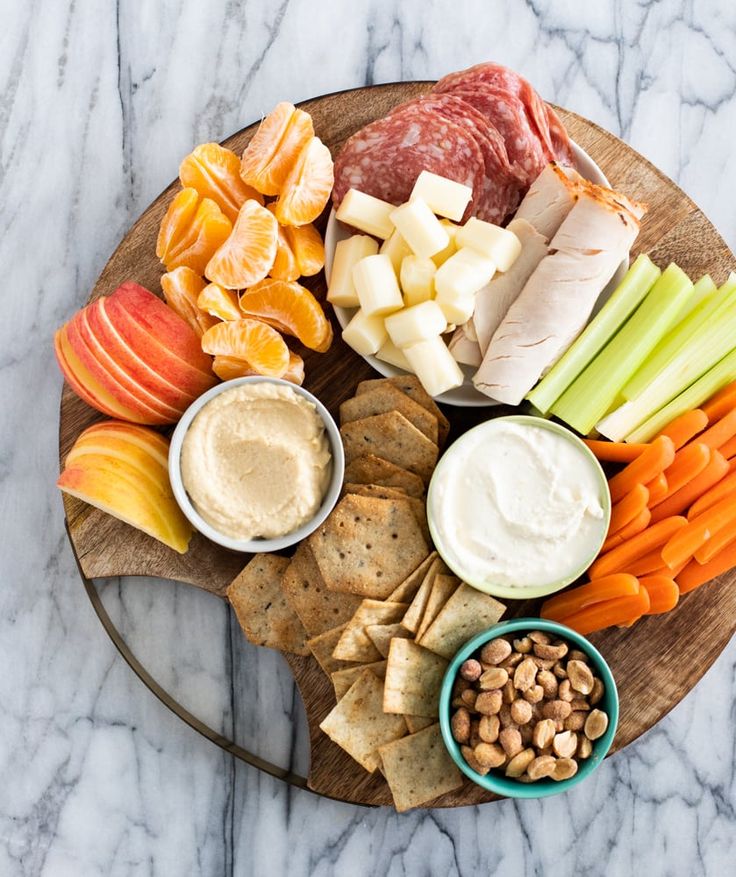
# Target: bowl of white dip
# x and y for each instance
(518, 507)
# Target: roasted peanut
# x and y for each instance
(475, 737)
(495, 651)
(557, 710)
(525, 675)
(577, 655)
(564, 691)
(596, 724)
(526, 732)
(489, 754)
(469, 755)
(460, 686)
(538, 636)
(488, 728)
(470, 670)
(460, 725)
(533, 695)
(544, 733)
(550, 651)
(542, 766)
(521, 712)
(468, 698)
(510, 740)
(575, 721)
(523, 645)
(489, 702)
(564, 769)
(513, 659)
(509, 692)
(585, 747)
(504, 716)
(519, 763)
(496, 677)
(549, 683)
(559, 670)
(565, 744)
(597, 691)
(581, 679)
(580, 703)
(543, 663)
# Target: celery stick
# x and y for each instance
(703, 290)
(668, 347)
(639, 279)
(591, 394)
(723, 373)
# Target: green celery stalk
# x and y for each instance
(722, 373)
(627, 296)
(593, 392)
(709, 309)
(702, 291)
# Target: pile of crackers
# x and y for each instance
(369, 599)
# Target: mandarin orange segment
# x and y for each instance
(284, 266)
(191, 231)
(307, 188)
(257, 343)
(308, 248)
(228, 367)
(273, 149)
(290, 307)
(218, 302)
(247, 255)
(215, 173)
(181, 288)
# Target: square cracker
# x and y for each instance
(318, 608)
(382, 634)
(443, 588)
(370, 469)
(412, 387)
(465, 614)
(355, 644)
(406, 591)
(368, 546)
(413, 680)
(415, 612)
(358, 724)
(418, 508)
(386, 398)
(262, 609)
(323, 646)
(416, 723)
(418, 768)
(342, 680)
(391, 437)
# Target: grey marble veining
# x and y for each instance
(98, 103)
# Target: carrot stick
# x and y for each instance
(615, 452)
(657, 488)
(640, 523)
(722, 431)
(728, 449)
(663, 593)
(687, 540)
(670, 572)
(695, 574)
(657, 457)
(689, 462)
(691, 493)
(647, 564)
(595, 591)
(721, 403)
(628, 508)
(621, 611)
(717, 542)
(685, 427)
(721, 489)
(618, 559)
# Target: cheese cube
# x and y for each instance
(456, 307)
(495, 243)
(463, 274)
(443, 255)
(434, 365)
(418, 323)
(391, 354)
(377, 286)
(396, 248)
(365, 334)
(366, 213)
(417, 279)
(445, 197)
(347, 254)
(420, 228)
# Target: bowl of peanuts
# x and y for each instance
(528, 708)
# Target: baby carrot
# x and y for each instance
(595, 591)
(722, 431)
(615, 452)
(722, 488)
(640, 522)
(619, 558)
(721, 403)
(717, 542)
(647, 564)
(663, 593)
(671, 572)
(687, 540)
(621, 611)
(628, 508)
(689, 462)
(684, 427)
(691, 493)
(696, 574)
(657, 457)
(657, 488)
(728, 449)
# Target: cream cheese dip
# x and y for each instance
(518, 504)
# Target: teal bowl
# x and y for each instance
(497, 782)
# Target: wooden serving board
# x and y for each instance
(655, 663)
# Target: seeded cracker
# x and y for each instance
(443, 588)
(382, 634)
(414, 613)
(354, 644)
(406, 591)
(342, 680)
(388, 398)
(466, 613)
(417, 723)
(411, 385)
(413, 680)
(370, 469)
(322, 647)
(418, 508)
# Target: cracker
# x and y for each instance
(412, 387)
(418, 508)
(415, 612)
(414, 723)
(391, 437)
(358, 724)
(342, 680)
(466, 613)
(370, 469)
(442, 589)
(418, 768)
(406, 591)
(262, 609)
(355, 644)
(386, 398)
(368, 546)
(318, 608)
(382, 634)
(323, 646)
(413, 679)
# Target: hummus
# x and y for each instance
(256, 461)
(517, 505)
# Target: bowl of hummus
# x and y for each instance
(256, 464)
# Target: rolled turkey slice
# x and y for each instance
(550, 198)
(557, 300)
(464, 345)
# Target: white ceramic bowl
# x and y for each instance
(466, 395)
(255, 545)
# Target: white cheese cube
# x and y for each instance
(377, 286)
(366, 213)
(391, 354)
(445, 197)
(434, 365)
(443, 255)
(418, 323)
(463, 274)
(365, 334)
(420, 228)
(396, 248)
(495, 243)
(417, 279)
(347, 254)
(457, 308)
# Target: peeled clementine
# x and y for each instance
(228, 367)
(307, 188)
(191, 231)
(274, 147)
(291, 308)
(248, 253)
(284, 266)
(181, 288)
(251, 340)
(218, 302)
(215, 173)
(307, 246)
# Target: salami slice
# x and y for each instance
(560, 139)
(487, 72)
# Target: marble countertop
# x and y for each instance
(98, 103)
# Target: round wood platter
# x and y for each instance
(656, 663)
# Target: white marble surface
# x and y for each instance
(98, 102)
